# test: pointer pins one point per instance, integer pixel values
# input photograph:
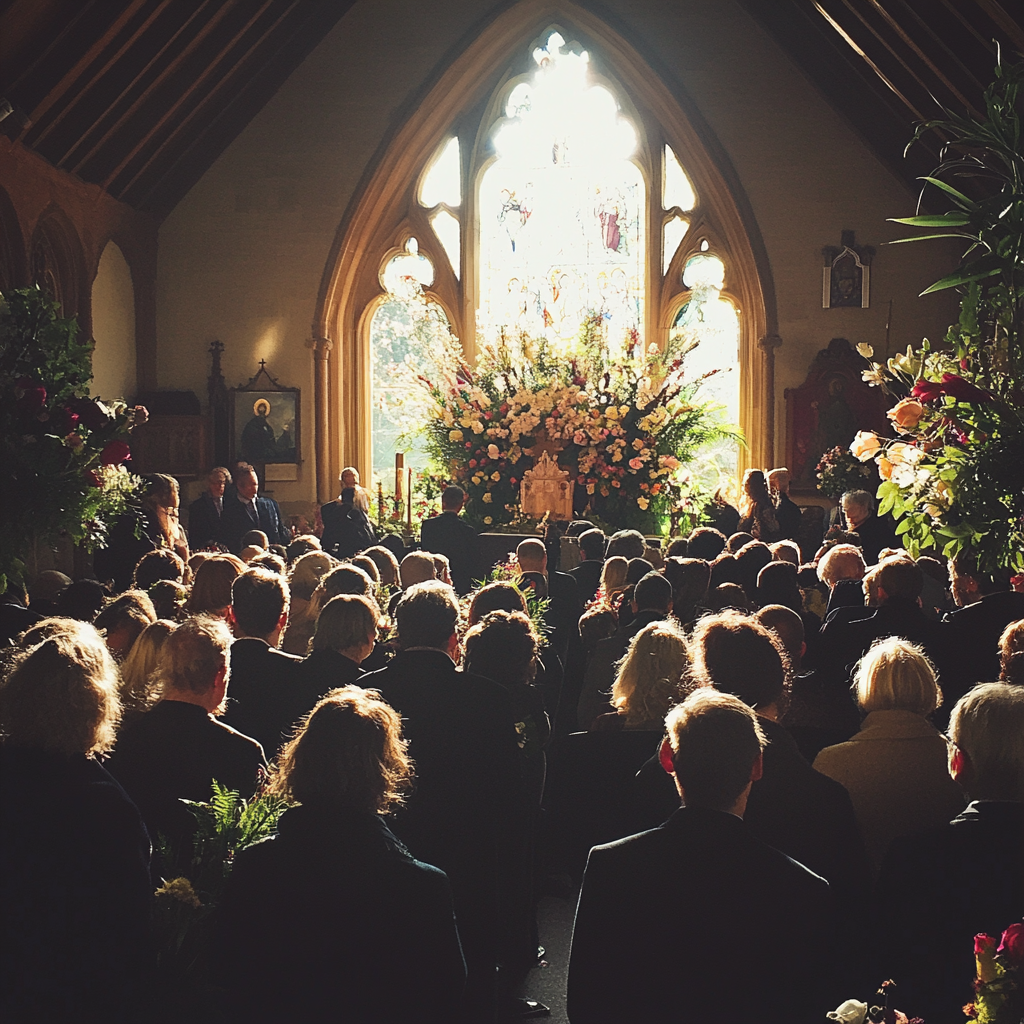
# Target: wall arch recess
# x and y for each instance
(57, 264)
(12, 246)
(386, 210)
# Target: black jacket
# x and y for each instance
(588, 578)
(876, 533)
(450, 536)
(204, 522)
(347, 530)
(75, 887)
(698, 921)
(238, 519)
(174, 752)
(787, 512)
(361, 931)
(973, 636)
(322, 671)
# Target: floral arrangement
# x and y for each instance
(509, 572)
(625, 428)
(953, 475)
(63, 452)
(839, 472)
(998, 993)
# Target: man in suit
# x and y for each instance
(699, 920)
(787, 511)
(448, 535)
(206, 512)
(565, 608)
(248, 512)
(940, 888)
(652, 602)
(875, 532)
(462, 737)
(588, 573)
(265, 698)
(174, 751)
(347, 528)
(985, 607)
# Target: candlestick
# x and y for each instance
(408, 520)
(380, 501)
(399, 466)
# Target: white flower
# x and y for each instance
(865, 350)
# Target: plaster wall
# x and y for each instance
(241, 257)
(113, 327)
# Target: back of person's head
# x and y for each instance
(258, 601)
(736, 654)
(578, 527)
(369, 566)
(636, 570)
(348, 495)
(442, 567)
(193, 655)
(897, 578)
(345, 579)
(787, 626)
(934, 569)
(778, 480)
(159, 491)
(427, 615)
(750, 560)
(987, 724)
(255, 539)
(495, 597)
(715, 739)
(678, 547)
(211, 589)
(169, 599)
(613, 574)
(724, 570)
(896, 675)
(346, 621)
(650, 677)
(777, 584)
(386, 563)
(82, 600)
(46, 587)
(532, 555)
(250, 553)
(706, 543)
(627, 543)
(736, 541)
(503, 646)
(965, 564)
(841, 562)
(61, 694)
(133, 606)
(653, 555)
(417, 567)
(1011, 654)
(653, 593)
(302, 545)
(137, 671)
(592, 545)
(690, 578)
(347, 754)
(755, 486)
(728, 595)
(453, 498)
(597, 623)
(268, 560)
(307, 571)
(162, 564)
(785, 551)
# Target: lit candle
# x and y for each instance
(408, 521)
(399, 466)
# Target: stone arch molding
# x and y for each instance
(383, 214)
(57, 265)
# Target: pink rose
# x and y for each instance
(1012, 944)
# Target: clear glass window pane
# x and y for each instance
(674, 232)
(446, 227)
(676, 187)
(443, 181)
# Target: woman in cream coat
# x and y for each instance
(895, 768)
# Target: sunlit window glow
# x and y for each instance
(562, 208)
(443, 181)
(446, 227)
(676, 187)
(406, 274)
(674, 232)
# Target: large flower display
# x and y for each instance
(626, 428)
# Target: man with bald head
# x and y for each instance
(565, 609)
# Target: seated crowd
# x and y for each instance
(777, 776)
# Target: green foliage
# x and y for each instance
(536, 607)
(60, 450)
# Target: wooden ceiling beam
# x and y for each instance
(43, 56)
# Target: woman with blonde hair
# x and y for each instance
(138, 692)
(895, 768)
(1011, 654)
(396, 955)
(649, 680)
(613, 579)
(303, 579)
(211, 589)
(74, 854)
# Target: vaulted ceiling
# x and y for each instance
(141, 96)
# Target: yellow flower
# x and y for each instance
(454, 435)
(180, 889)
(488, 497)
(643, 503)
(612, 413)
(495, 476)
(623, 409)
(478, 427)
(488, 520)
(637, 444)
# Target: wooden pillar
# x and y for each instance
(764, 452)
(321, 431)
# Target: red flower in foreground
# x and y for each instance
(952, 385)
(93, 478)
(1012, 944)
(33, 400)
(116, 452)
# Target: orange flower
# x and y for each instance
(906, 414)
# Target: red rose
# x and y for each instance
(90, 414)
(512, 480)
(33, 400)
(115, 453)
(1012, 944)
(927, 390)
(963, 390)
(984, 944)
(472, 463)
(93, 478)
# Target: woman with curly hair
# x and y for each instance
(303, 579)
(363, 929)
(758, 509)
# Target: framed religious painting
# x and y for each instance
(265, 422)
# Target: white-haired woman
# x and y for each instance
(303, 579)
(74, 854)
(895, 768)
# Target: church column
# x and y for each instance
(768, 344)
(321, 444)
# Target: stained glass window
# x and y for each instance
(562, 209)
(404, 332)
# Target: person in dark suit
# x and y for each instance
(462, 737)
(875, 532)
(265, 701)
(177, 749)
(206, 512)
(74, 853)
(565, 608)
(787, 511)
(347, 527)
(940, 888)
(588, 573)
(247, 511)
(985, 607)
(364, 931)
(699, 920)
(652, 602)
(448, 535)
(346, 633)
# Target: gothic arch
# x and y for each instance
(380, 211)
(57, 265)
